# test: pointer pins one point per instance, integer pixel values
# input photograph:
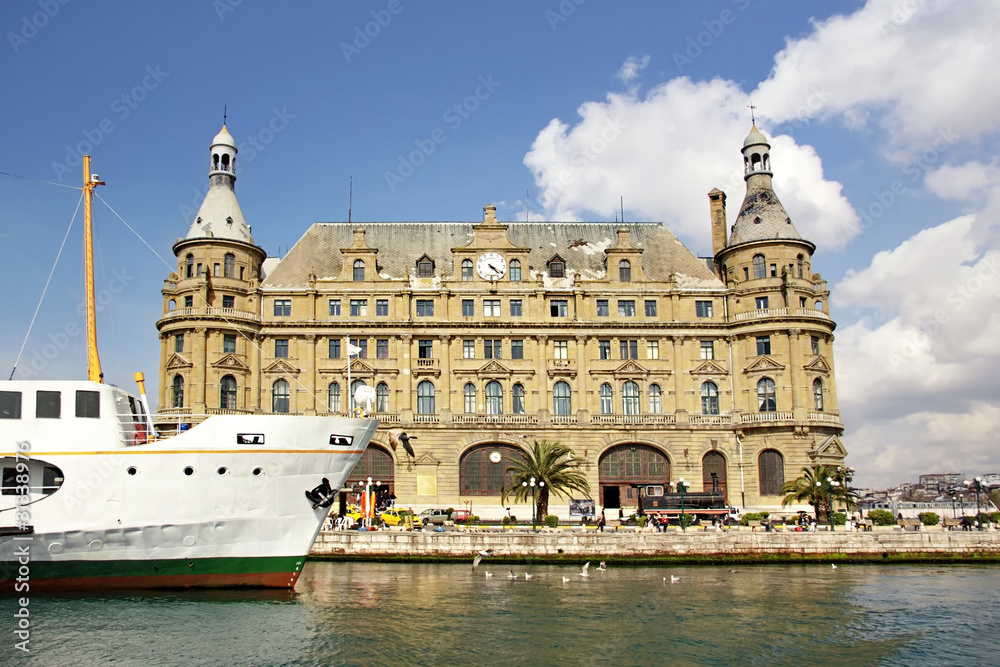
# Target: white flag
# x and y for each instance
(352, 350)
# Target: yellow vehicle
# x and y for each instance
(397, 517)
(353, 513)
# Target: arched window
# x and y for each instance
(354, 389)
(279, 397)
(515, 270)
(713, 472)
(189, 264)
(562, 401)
(655, 399)
(494, 398)
(755, 162)
(227, 392)
(382, 397)
(425, 398)
(799, 264)
(766, 401)
(178, 391)
(758, 266)
(767, 162)
(359, 270)
(215, 162)
(771, 471)
(819, 305)
(630, 398)
(333, 397)
(483, 473)
(709, 398)
(469, 392)
(229, 265)
(624, 271)
(517, 392)
(607, 407)
(466, 269)
(818, 393)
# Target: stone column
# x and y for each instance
(256, 340)
(680, 400)
(543, 373)
(582, 409)
(444, 407)
(406, 407)
(309, 375)
(797, 374)
(200, 354)
(162, 401)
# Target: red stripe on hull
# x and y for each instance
(244, 579)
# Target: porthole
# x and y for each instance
(189, 471)
(223, 470)
(257, 472)
(132, 470)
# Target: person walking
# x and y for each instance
(601, 522)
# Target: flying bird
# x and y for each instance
(486, 553)
(511, 575)
(586, 566)
(602, 567)
(399, 437)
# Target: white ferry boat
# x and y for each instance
(93, 498)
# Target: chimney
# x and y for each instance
(490, 214)
(717, 206)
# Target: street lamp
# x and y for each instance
(830, 485)
(534, 509)
(682, 488)
(976, 485)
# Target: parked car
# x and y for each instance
(433, 516)
(461, 515)
(397, 517)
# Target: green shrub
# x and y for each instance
(450, 511)
(552, 521)
(752, 516)
(640, 521)
(882, 517)
(473, 519)
(929, 518)
(839, 518)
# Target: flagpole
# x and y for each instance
(347, 349)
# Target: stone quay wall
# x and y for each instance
(646, 547)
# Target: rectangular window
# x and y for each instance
(199, 269)
(382, 308)
(88, 404)
(334, 307)
(425, 349)
(229, 343)
(762, 303)
(774, 270)
(561, 348)
(650, 308)
(48, 404)
(334, 348)
(803, 302)
(280, 348)
(282, 307)
(763, 345)
(492, 349)
(468, 349)
(189, 302)
(602, 308)
(604, 348)
(382, 348)
(468, 308)
(746, 273)
(814, 341)
(491, 307)
(626, 308)
(629, 348)
(363, 344)
(559, 308)
(517, 349)
(179, 343)
(708, 349)
(425, 307)
(703, 308)
(10, 404)
(359, 307)
(215, 269)
(515, 308)
(652, 349)
(228, 301)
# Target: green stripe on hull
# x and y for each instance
(90, 569)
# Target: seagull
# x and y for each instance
(566, 580)
(833, 566)
(586, 566)
(511, 575)
(527, 576)
(674, 579)
(602, 567)
(732, 571)
(489, 575)
(480, 556)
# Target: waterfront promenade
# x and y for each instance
(646, 547)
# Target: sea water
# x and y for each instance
(417, 614)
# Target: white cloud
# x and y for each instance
(962, 181)
(664, 152)
(631, 67)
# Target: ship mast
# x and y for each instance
(94, 373)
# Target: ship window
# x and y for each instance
(52, 479)
(47, 404)
(188, 471)
(88, 404)
(9, 481)
(10, 405)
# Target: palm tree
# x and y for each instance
(819, 486)
(548, 462)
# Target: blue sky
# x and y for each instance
(880, 118)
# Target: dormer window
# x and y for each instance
(756, 220)
(359, 271)
(198, 221)
(425, 267)
(466, 270)
(557, 268)
(229, 221)
(624, 271)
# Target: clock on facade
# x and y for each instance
(491, 266)
(495, 456)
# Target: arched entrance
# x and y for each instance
(376, 463)
(624, 467)
(713, 473)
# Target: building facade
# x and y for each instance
(650, 363)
